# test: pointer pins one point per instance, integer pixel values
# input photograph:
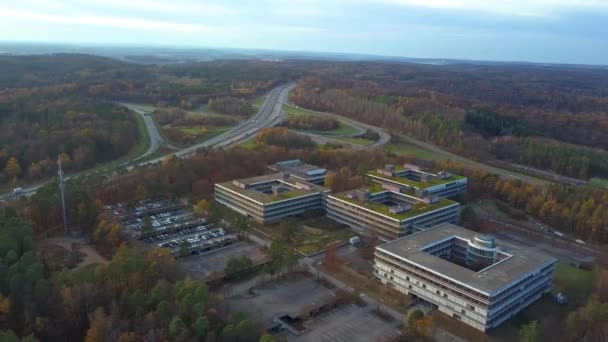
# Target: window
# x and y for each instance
(445, 295)
(438, 292)
(463, 312)
(424, 286)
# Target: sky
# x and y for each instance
(551, 31)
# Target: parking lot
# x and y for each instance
(203, 265)
(282, 297)
(302, 292)
(349, 324)
(168, 224)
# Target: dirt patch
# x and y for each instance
(70, 252)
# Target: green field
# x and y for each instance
(355, 141)
(258, 102)
(412, 150)
(342, 130)
(599, 182)
(291, 110)
(573, 281)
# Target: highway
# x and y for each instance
(268, 115)
(155, 139)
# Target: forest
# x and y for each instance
(463, 107)
(150, 300)
(231, 106)
(63, 105)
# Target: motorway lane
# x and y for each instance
(268, 115)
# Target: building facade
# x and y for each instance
(409, 178)
(475, 279)
(270, 198)
(389, 214)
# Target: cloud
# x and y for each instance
(541, 8)
(175, 6)
(110, 21)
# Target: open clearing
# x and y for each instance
(413, 150)
(599, 182)
(342, 130)
(89, 255)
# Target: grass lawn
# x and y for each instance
(573, 281)
(249, 144)
(355, 141)
(200, 133)
(343, 129)
(317, 232)
(313, 232)
(576, 283)
(408, 149)
(599, 182)
(258, 102)
(296, 111)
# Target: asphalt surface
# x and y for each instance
(155, 138)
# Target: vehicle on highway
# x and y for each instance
(18, 192)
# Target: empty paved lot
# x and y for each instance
(349, 324)
(282, 297)
(201, 266)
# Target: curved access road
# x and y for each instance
(155, 139)
(384, 136)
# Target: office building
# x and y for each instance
(301, 171)
(477, 279)
(389, 214)
(410, 178)
(270, 198)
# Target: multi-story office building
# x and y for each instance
(300, 170)
(476, 279)
(389, 214)
(272, 197)
(409, 178)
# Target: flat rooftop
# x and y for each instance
(419, 208)
(414, 183)
(490, 280)
(298, 168)
(293, 187)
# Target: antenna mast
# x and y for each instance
(61, 191)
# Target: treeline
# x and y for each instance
(135, 296)
(231, 106)
(566, 159)
(460, 107)
(580, 211)
(282, 137)
(37, 126)
(187, 85)
(311, 122)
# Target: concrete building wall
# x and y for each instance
(385, 227)
(482, 314)
(270, 212)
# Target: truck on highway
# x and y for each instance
(18, 192)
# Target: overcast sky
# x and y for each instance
(561, 31)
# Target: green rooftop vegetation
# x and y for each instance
(413, 183)
(417, 209)
(270, 198)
